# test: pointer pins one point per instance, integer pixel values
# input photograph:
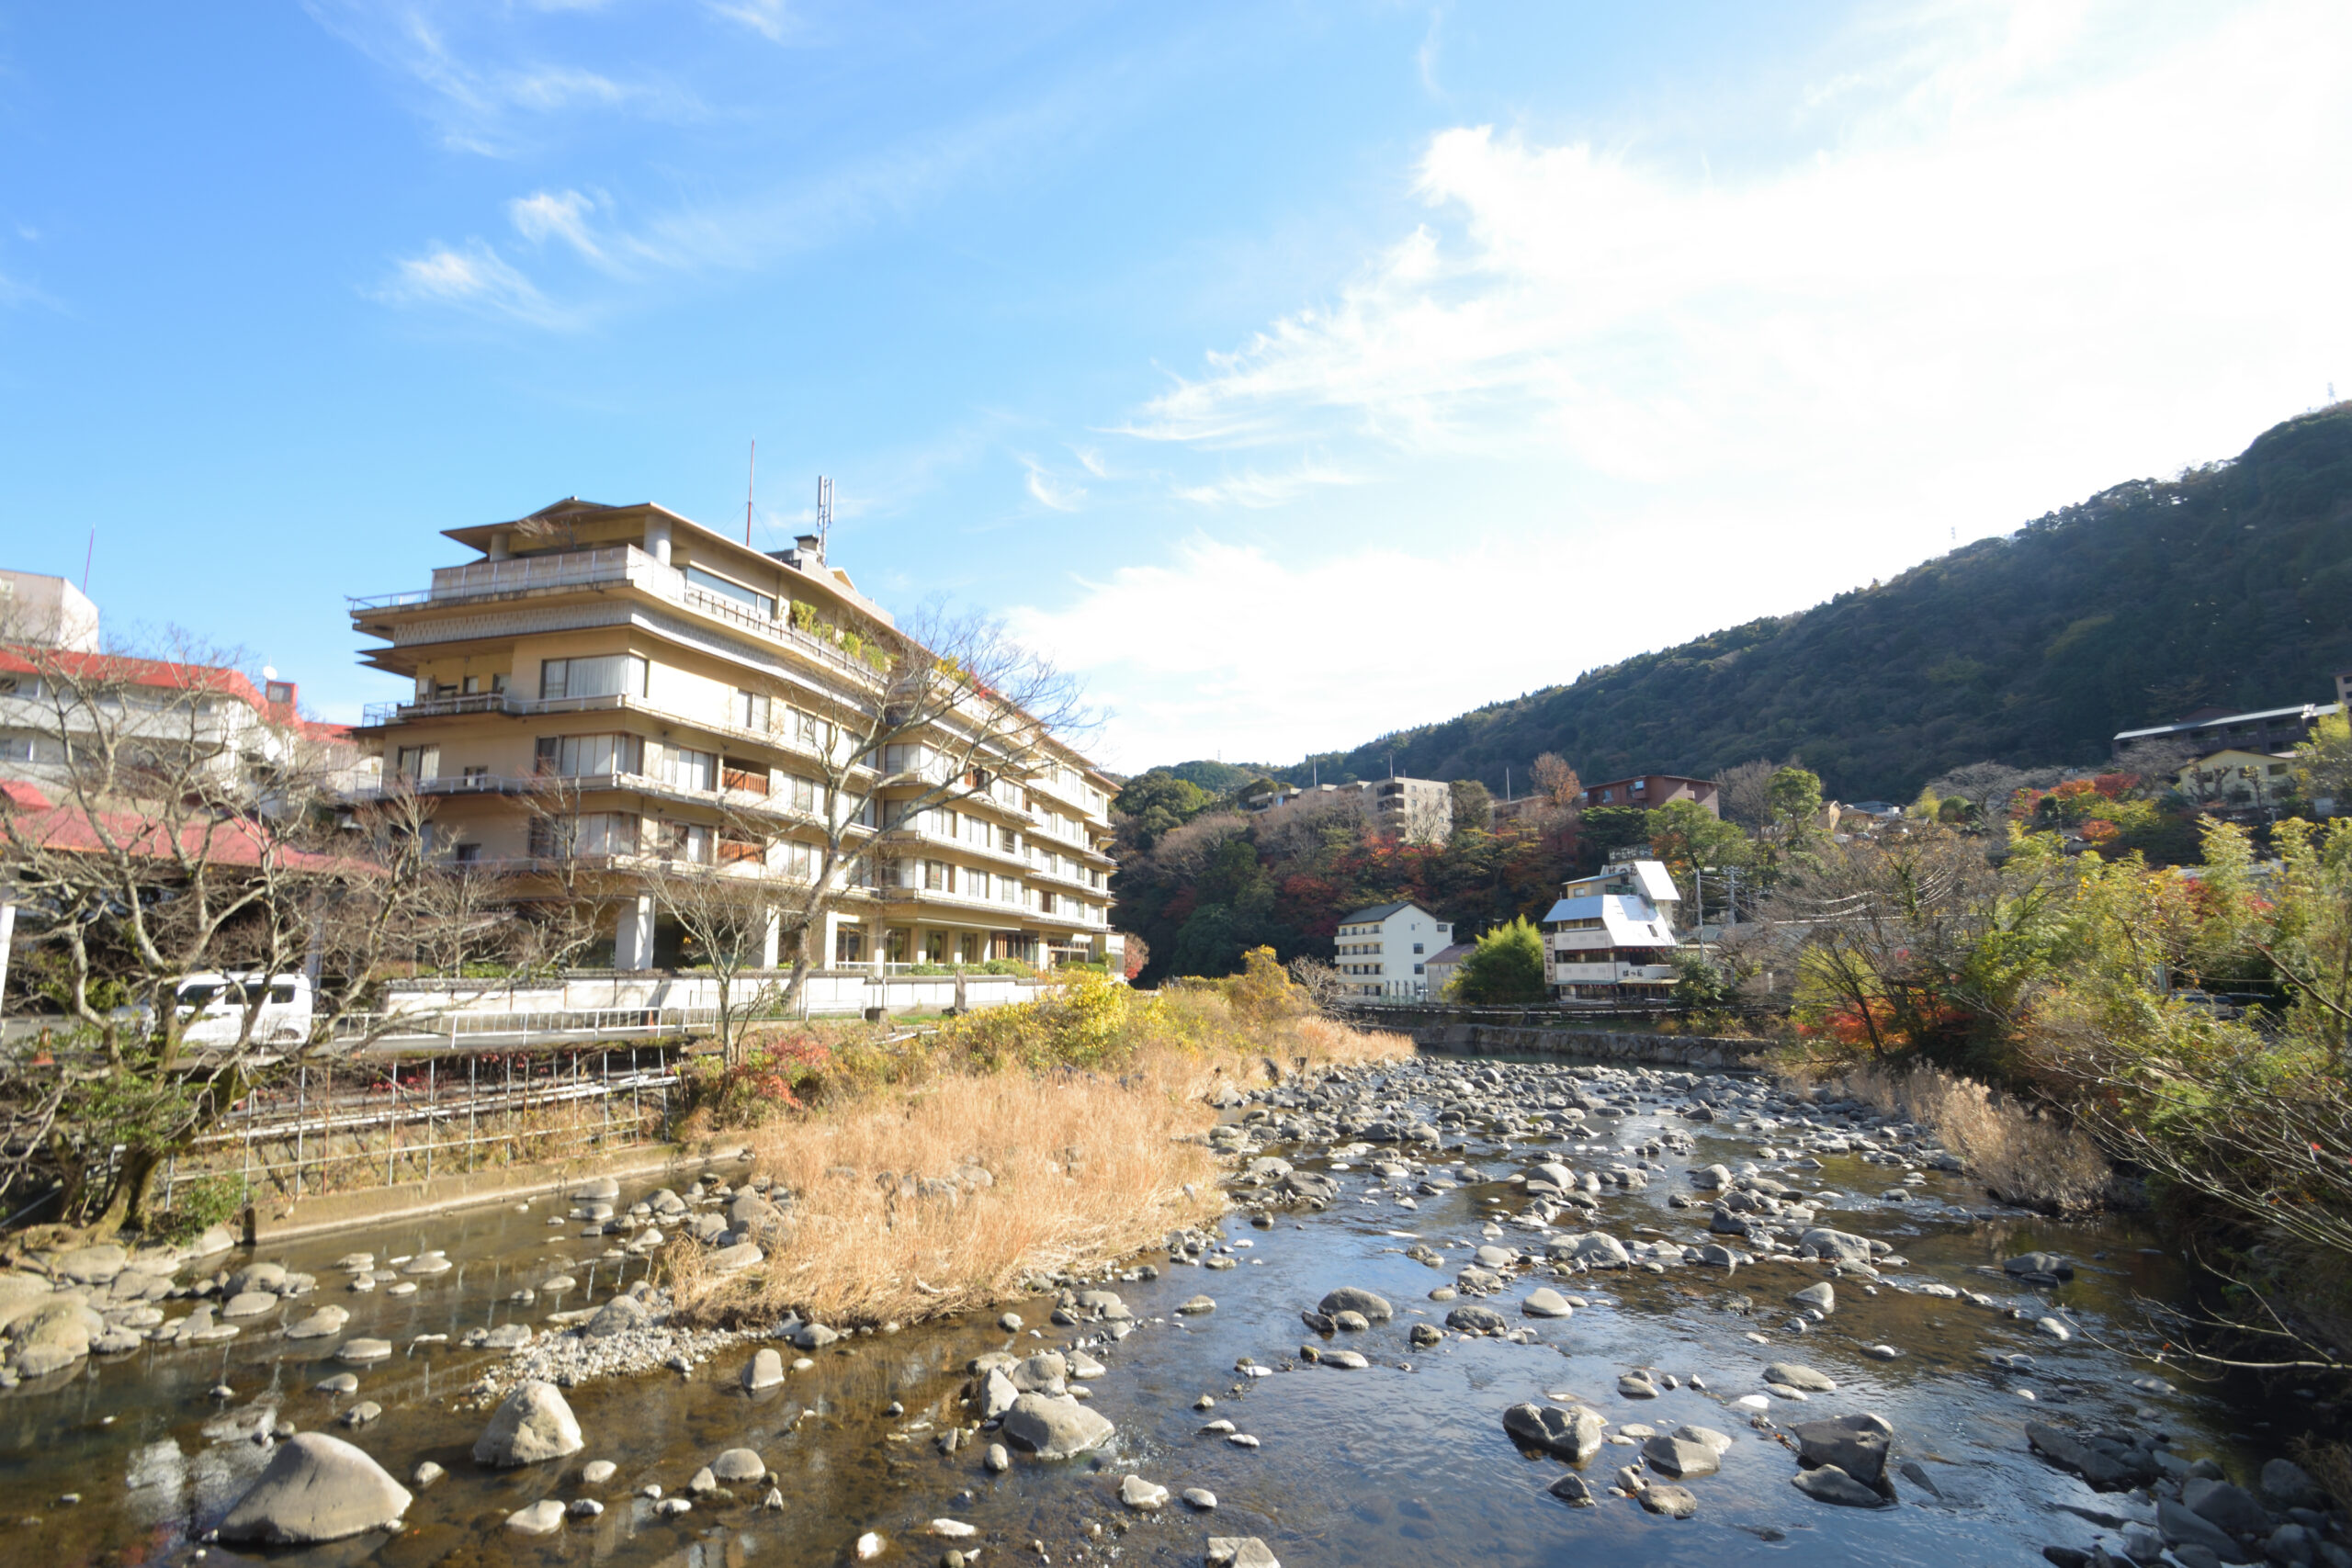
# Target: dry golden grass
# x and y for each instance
(2021, 1155)
(1086, 1169)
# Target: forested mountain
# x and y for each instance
(2231, 585)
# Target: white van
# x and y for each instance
(212, 1007)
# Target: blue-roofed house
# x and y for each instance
(1611, 937)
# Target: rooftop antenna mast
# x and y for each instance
(751, 485)
(824, 513)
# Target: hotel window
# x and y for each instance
(749, 710)
(804, 794)
(938, 876)
(613, 675)
(681, 769)
(750, 598)
(589, 756)
(416, 763)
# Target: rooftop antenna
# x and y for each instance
(824, 513)
(87, 556)
(751, 484)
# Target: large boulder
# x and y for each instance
(1803, 1378)
(2183, 1526)
(1469, 1318)
(1679, 1457)
(1855, 1444)
(316, 1488)
(1054, 1425)
(1599, 1249)
(2286, 1484)
(617, 1316)
(2231, 1508)
(534, 1424)
(54, 1338)
(1574, 1434)
(1347, 1297)
(1839, 1246)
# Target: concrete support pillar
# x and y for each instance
(633, 934)
(771, 939)
(500, 544)
(657, 540)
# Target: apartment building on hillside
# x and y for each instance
(1650, 791)
(1418, 811)
(677, 692)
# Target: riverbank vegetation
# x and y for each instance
(2194, 1025)
(936, 1172)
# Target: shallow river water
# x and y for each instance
(1404, 1462)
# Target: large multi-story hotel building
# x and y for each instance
(672, 691)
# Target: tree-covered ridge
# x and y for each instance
(2231, 585)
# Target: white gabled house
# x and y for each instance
(1384, 950)
(1611, 936)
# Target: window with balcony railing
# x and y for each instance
(608, 675)
(589, 756)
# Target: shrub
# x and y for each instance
(774, 1076)
(1506, 966)
(198, 1205)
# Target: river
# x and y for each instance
(1403, 1461)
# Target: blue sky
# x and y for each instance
(1294, 371)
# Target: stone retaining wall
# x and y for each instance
(1590, 1045)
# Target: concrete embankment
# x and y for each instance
(282, 1219)
(1440, 1029)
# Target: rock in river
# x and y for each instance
(1855, 1445)
(1347, 1297)
(767, 1370)
(1240, 1551)
(1573, 1434)
(1795, 1375)
(543, 1517)
(1820, 1297)
(534, 1424)
(1546, 1302)
(1054, 1427)
(1469, 1318)
(1679, 1457)
(1830, 1485)
(316, 1488)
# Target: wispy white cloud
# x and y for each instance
(1250, 488)
(1048, 491)
(486, 84)
(772, 19)
(475, 278)
(1980, 237)
(563, 214)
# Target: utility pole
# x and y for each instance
(751, 485)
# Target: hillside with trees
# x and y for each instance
(2230, 585)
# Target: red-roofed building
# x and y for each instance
(58, 688)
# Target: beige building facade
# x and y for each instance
(609, 688)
